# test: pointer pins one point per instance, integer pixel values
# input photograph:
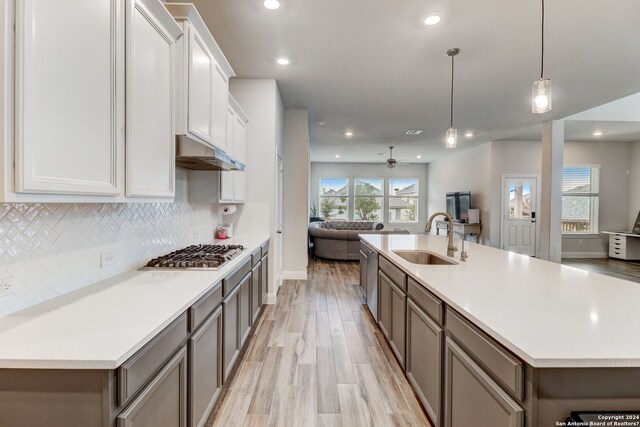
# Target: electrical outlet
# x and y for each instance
(6, 285)
(107, 259)
(580, 242)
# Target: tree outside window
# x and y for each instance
(334, 198)
(368, 199)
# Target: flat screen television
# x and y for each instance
(458, 204)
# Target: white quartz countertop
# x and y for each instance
(102, 325)
(549, 315)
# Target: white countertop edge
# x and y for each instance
(108, 364)
(530, 360)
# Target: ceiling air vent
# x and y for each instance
(413, 132)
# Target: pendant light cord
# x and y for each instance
(542, 54)
(452, 69)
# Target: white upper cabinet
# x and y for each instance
(202, 80)
(150, 155)
(233, 183)
(69, 128)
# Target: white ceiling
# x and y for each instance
(371, 66)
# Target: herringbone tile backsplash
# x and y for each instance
(48, 250)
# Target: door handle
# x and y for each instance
(279, 232)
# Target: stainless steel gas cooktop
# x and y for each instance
(203, 257)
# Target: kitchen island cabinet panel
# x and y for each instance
(384, 314)
(392, 315)
(472, 397)
(398, 322)
(424, 367)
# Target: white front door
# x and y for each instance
(519, 215)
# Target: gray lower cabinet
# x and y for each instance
(230, 324)
(425, 343)
(363, 273)
(372, 282)
(398, 322)
(163, 402)
(264, 279)
(384, 313)
(256, 292)
(472, 397)
(244, 322)
(205, 364)
(392, 315)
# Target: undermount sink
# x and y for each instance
(424, 257)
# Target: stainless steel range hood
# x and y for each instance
(194, 155)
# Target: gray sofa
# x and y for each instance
(339, 239)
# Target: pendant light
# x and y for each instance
(541, 90)
(451, 137)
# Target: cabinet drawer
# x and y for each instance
(202, 308)
(135, 372)
(396, 275)
(232, 280)
(504, 367)
(256, 256)
(265, 248)
(431, 304)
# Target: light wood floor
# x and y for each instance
(317, 358)
(626, 270)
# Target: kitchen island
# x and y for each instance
(504, 339)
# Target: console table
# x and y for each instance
(624, 245)
(471, 232)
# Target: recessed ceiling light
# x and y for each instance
(321, 122)
(283, 61)
(337, 156)
(348, 133)
(468, 134)
(271, 4)
(432, 18)
(597, 133)
(418, 156)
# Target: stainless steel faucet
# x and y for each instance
(451, 248)
(463, 253)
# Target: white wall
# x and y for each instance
(261, 100)
(468, 170)
(368, 170)
(296, 194)
(634, 183)
(619, 204)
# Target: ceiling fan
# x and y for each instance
(391, 162)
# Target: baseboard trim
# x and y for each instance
(585, 255)
(294, 275)
(271, 299)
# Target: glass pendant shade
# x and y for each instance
(541, 96)
(451, 138)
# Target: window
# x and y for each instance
(368, 199)
(334, 198)
(580, 199)
(403, 200)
